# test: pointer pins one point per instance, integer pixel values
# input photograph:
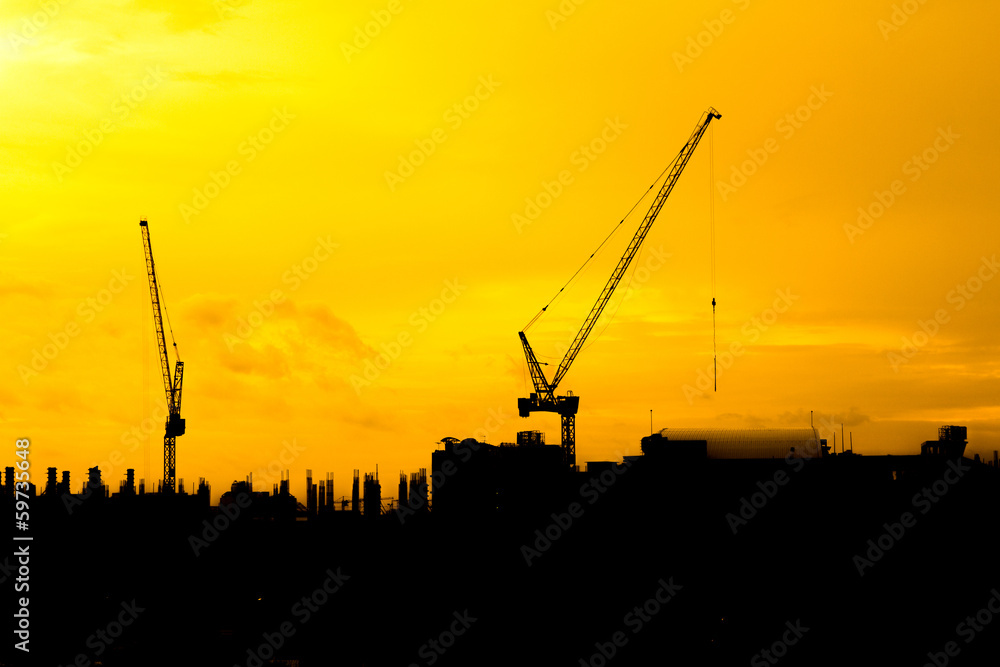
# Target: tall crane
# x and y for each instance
(175, 425)
(544, 398)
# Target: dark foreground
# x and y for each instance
(644, 570)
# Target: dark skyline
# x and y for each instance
(713, 551)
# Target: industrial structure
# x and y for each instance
(951, 442)
(471, 478)
(749, 443)
(356, 493)
(544, 398)
(172, 387)
(373, 496)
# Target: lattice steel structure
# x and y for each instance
(175, 425)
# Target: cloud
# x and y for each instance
(16, 287)
(266, 360)
(307, 342)
(737, 420)
(63, 400)
(319, 322)
(95, 45)
(209, 310)
(800, 417)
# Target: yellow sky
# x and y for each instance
(281, 152)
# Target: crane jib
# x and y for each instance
(154, 294)
(538, 377)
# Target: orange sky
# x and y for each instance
(278, 151)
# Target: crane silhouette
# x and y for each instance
(544, 398)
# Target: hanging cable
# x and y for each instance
(711, 215)
(606, 239)
(145, 386)
(524, 374)
(607, 321)
(628, 286)
(163, 304)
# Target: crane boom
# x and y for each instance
(175, 426)
(544, 398)
(154, 293)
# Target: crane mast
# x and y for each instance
(544, 398)
(172, 387)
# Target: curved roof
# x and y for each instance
(751, 443)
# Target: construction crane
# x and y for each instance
(175, 425)
(544, 398)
